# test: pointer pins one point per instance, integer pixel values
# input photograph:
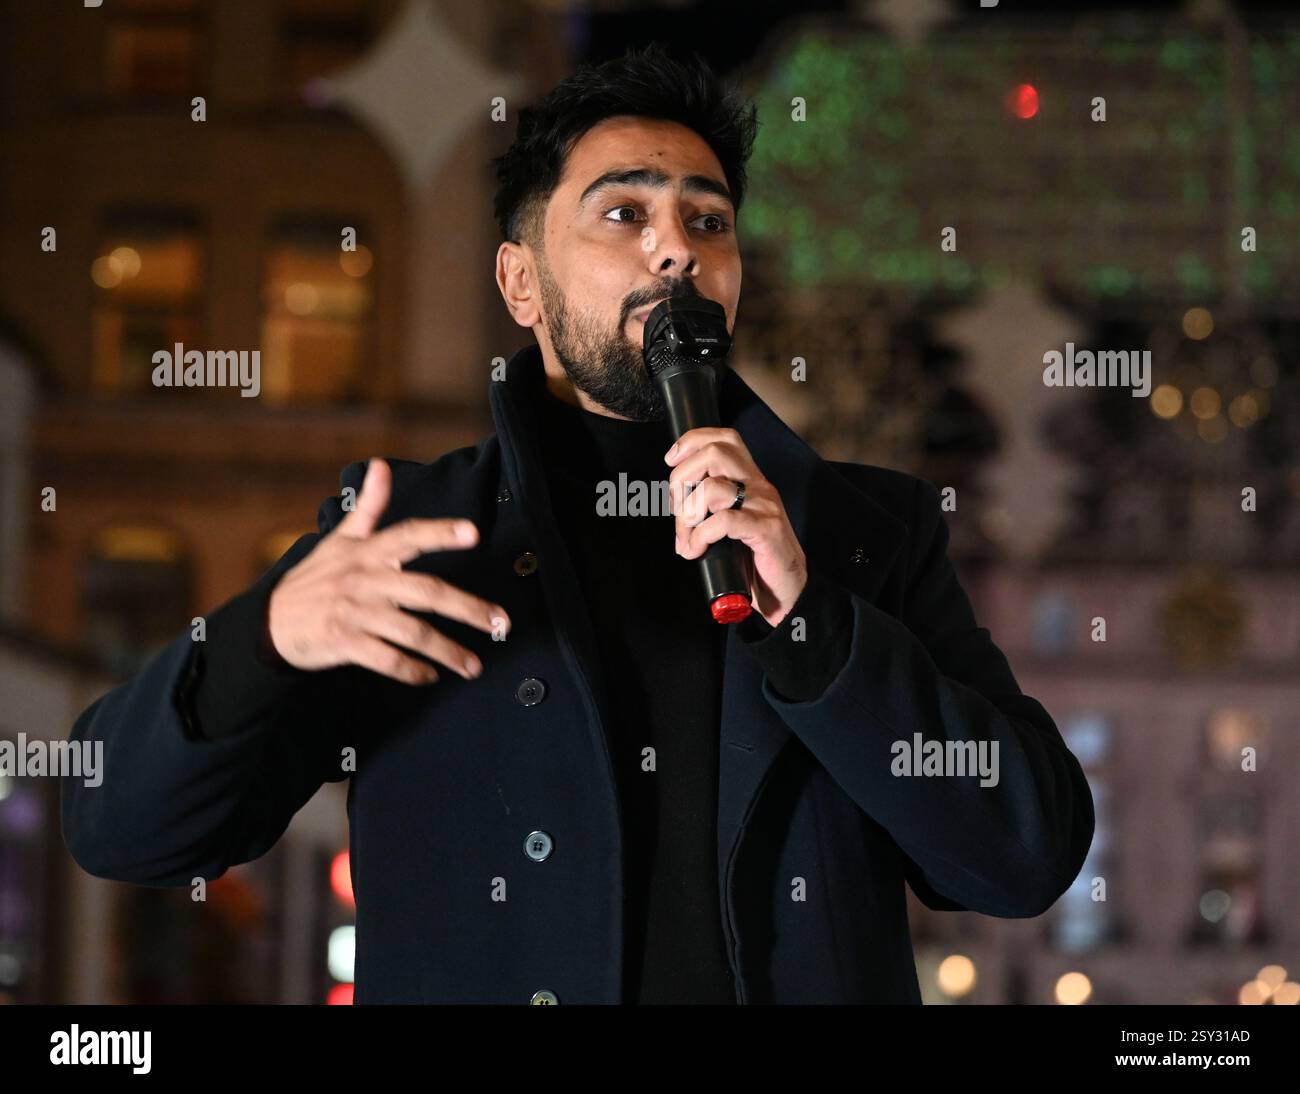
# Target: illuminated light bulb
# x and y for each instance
(956, 975)
(1212, 431)
(1023, 101)
(1166, 401)
(341, 878)
(1243, 411)
(1272, 975)
(1198, 323)
(1287, 995)
(1205, 402)
(128, 260)
(1253, 994)
(341, 952)
(1073, 989)
(106, 272)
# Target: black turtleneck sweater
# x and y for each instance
(661, 672)
(662, 657)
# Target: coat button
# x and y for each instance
(526, 564)
(503, 494)
(543, 998)
(530, 691)
(538, 846)
(858, 555)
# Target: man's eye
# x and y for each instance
(717, 224)
(720, 222)
(623, 220)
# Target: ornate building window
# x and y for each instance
(152, 49)
(1082, 920)
(1229, 826)
(316, 311)
(149, 278)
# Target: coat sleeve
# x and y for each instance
(801, 670)
(176, 802)
(1007, 849)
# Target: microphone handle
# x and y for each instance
(691, 399)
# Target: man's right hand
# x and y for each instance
(339, 604)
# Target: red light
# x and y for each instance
(341, 878)
(340, 996)
(1023, 101)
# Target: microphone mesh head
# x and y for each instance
(688, 332)
(656, 363)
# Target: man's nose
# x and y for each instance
(669, 247)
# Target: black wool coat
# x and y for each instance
(816, 832)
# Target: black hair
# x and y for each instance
(650, 83)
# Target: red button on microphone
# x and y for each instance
(731, 608)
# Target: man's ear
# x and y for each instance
(517, 284)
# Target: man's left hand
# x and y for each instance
(718, 459)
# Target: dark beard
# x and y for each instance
(605, 365)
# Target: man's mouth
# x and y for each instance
(643, 313)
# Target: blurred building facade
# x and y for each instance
(132, 226)
(1182, 711)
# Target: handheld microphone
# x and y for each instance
(683, 338)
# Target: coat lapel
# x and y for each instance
(514, 411)
(845, 534)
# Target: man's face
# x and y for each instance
(617, 243)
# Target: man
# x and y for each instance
(609, 797)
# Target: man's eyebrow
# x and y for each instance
(649, 176)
